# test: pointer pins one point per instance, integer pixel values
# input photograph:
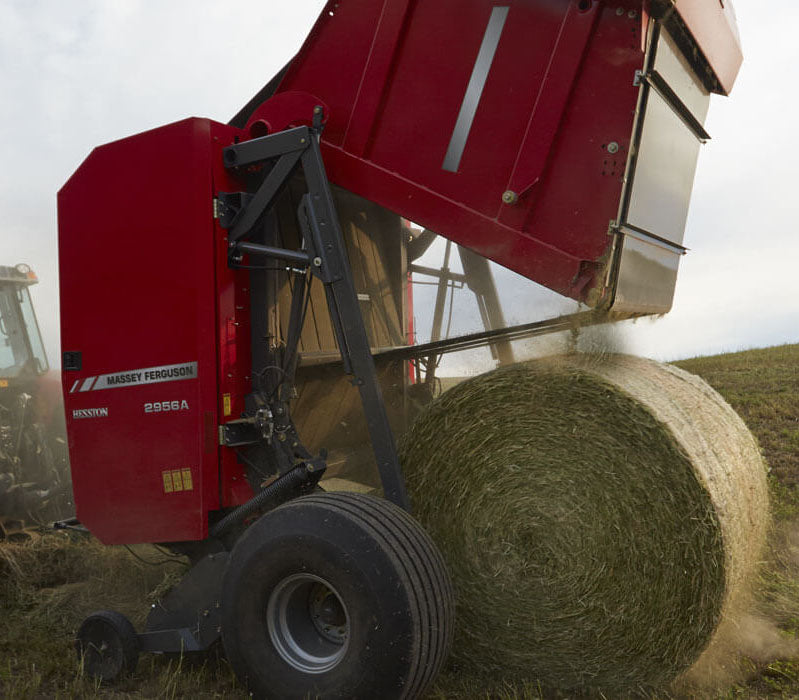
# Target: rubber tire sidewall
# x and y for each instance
(124, 633)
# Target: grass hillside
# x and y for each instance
(49, 584)
(763, 387)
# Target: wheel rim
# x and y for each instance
(308, 623)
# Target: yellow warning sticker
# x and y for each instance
(177, 480)
(187, 483)
(4, 384)
(226, 409)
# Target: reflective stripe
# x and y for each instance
(474, 90)
(87, 383)
(74, 386)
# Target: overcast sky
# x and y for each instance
(77, 74)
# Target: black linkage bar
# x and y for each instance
(266, 147)
(293, 256)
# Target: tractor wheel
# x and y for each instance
(336, 595)
(107, 646)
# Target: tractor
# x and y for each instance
(34, 472)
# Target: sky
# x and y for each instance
(74, 75)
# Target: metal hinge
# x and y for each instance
(216, 208)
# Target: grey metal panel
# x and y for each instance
(474, 90)
(664, 173)
(647, 276)
(677, 72)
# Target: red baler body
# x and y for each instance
(149, 267)
(162, 323)
(559, 90)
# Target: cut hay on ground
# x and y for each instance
(600, 517)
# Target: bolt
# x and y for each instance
(632, 14)
(613, 147)
(317, 110)
(619, 11)
(206, 613)
(317, 262)
(510, 197)
(310, 467)
(281, 437)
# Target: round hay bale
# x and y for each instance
(600, 517)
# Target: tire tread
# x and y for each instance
(425, 569)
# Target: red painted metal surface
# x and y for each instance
(558, 91)
(233, 335)
(712, 24)
(138, 247)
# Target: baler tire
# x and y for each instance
(107, 646)
(336, 595)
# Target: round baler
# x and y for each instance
(262, 300)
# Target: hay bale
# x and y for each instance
(600, 518)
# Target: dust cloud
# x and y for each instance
(749, 636)
(751, 639)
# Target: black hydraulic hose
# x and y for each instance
(277, 492)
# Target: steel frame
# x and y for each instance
(322, 253)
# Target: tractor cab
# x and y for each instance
(22, 353)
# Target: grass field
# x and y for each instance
(48, 586)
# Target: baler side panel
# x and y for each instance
(136, 248)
